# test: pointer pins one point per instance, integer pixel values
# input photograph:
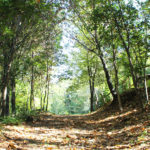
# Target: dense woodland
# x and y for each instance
(112, 39)
(74, 74)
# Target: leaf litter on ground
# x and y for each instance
(99, 130)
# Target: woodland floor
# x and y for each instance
(109, 130)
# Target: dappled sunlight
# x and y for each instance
(74, 75)
(111, 131)
(115, 116)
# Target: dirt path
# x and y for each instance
(98, 131)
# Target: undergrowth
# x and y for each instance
(19, 117)
(11, 120)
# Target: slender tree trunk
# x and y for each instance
(47, 84)
(146, 57)
(97, 100)
(117, 80)
(129, 58)
(44, 100)
(145, 86)
(41, 100)
(91, 74)
(99, 54)
(107, 75)
(91, 95)
(4, 84)
(3, 99)
(47, 96)
(13, 95)
(41, 93)
(108, 79)
(116, 73)
(47, 100)
(7, 101)
(126, 46)
(32, 86)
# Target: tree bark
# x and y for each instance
(107, 75)
(117, 80)
(116, 73)
(32, 85)
(4, 83)
(91, 73)
(13, 95)
(7, 101)
(108, 79)
(91, 95)
(44, 101)
(47, 82)
(3, 100)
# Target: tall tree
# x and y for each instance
(21, 23)
(92, 32)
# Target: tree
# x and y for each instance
(93, 33)
(22, 23)
(16, 30)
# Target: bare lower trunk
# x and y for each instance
(3, 100)
(108, 79)
(96, 100)
(117, 90)
(47, 96)
(13, 95)
(91, 95)
(32, 86)
(4, 85)
(145, 86)
(146, 91)
(7, 102)
(47, 85)
(44, 101)
(116, 73)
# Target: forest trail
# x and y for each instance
(98, 131)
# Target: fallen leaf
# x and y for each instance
(49, 148)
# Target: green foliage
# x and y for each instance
(75, 103)
(20, 117)
(59, 102)
(30, 48)
(11, 120)
(23, 114)
(103, 97)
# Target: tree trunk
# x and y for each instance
(7, 101)
(91, 74)
(96, 100)
(4, 85)
(32, 86)
(41, 101)
(107, 75)
(47, 96)
(41, 93)
(44, 101)
(91, 95)
(47, 84)
(3, 100)
(117, 80)
(13, 95)
(108, 79)
(145, 87)
(126, 45)
(116, 73)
